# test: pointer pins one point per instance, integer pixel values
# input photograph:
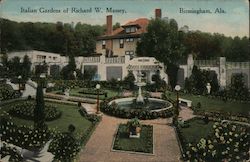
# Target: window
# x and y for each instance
(121, 43)
(54, 58)
(127, 30)
(129, 52)
(129, 39)
(103, 44)
(130, 29)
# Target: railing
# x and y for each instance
(206, 62)
(91, 59)
(236, 65)
(115, 60)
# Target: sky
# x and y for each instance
(234, 22)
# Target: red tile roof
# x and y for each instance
(142, 24)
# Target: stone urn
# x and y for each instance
(134, 128)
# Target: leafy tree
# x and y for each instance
(65, 146)
(238, 89)
(26, 68)
(158, 82)
(42, 68)
(68, 70)
(116, 26)
(89, 73)
(4, 66)
(129, 80)
(163, 42)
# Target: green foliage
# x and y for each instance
(237, 89)
(22, 136)
(228, 142)
(13, 68)
(25, 110)
(39, 114)
(143, 144)
(12, 151)
(42, 68)
(7, 92)
(64, 147)
(159, 84)
(163, 41)
(134, 123)
(129, 80)
(89, 73)
(208, 46)
(197, 82)
(68, 70)
(42, 36)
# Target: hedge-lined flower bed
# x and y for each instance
(142, 144)
(227, 142)
(114, 110)
(13, 152)
(25, 110)
(25, 137)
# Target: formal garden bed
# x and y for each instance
(203, 140)
(20, 131)
(143, 144)
(25, 110)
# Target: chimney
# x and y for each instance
(158, 13)
(109, 25)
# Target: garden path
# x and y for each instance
(98, 148)
(186, 113)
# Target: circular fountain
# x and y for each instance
(140, 103)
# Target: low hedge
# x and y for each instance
(25, 110)
(218, 116)
(91, 91)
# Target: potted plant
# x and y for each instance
(134, 127)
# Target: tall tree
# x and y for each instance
(163, 42)
(238, 89)
(26, 68)
(39, 112)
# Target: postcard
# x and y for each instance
(124, 80)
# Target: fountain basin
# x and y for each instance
(153, 104)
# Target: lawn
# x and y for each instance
(213, 104)
(143, 144)
(70, 115)
(197, 129)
